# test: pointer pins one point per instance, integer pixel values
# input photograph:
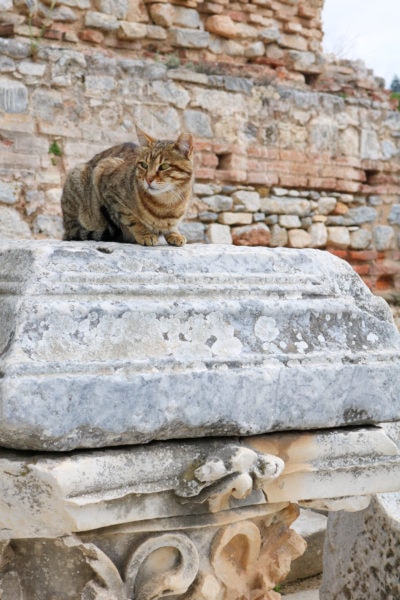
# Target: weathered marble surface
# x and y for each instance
(51, 494)
(361, 553)
(108, 344)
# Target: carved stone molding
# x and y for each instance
(244, 558)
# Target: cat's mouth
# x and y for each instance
(156, 188)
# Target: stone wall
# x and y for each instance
(293, 148)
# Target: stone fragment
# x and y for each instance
(219, 234)
(170, 92)
(101, 21)
(298, 238)
(189, 38)
(339, 237)
(326, 205)
(253, 235)
(131, 31)
(394, 216)
(186, 17)
(235, 218)
(218, 202)
(282, 205)
(270, 34)
(198, 123)
(162, 14)
(361, 551)
(12, 226)
(194, 232)
(208, 189)
(221, 25)
(360, 215)
(117, 8)
(279, 236)
(319, 235)
(383, 237)
(254, 50)
(250, 200)
(289, 221)
(50, 226)
(13, 96)
(10, 192)
(360, 239)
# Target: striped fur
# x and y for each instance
(131, 193)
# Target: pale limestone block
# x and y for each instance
(221, 25)
(339, 236)
(289, 221)
(319, 235)
(162, 14)
(299, 238)
(235, 218)
(189, 38)
(360, 239)
(326, 205)
(250, 200)
(131, 31)
(219, 234)
(101, 21)
(12, 226)
(279, 236)
(186, 17)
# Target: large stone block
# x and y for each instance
(110, 344)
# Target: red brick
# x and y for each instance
(235, 15)
(231, 175)
(257, 165)
(361, 269)
(53, 34)
(266, 178)
(90, 35)
(343, 172)
(339, 253)
(363, 255)
(286, 180)
(318, 183)
(350, 187)
(257, 151)
(204, 173)
(207, 160)
(200, 144)
(6, 29)
(229, 162)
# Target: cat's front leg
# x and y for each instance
(175, 238)
(143, 236)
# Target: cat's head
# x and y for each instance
(164, 166)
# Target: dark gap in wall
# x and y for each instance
(224, 161)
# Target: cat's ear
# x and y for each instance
(144, 138)
(185, 144)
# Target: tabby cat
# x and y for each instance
(130, 192)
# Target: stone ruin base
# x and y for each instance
(165, 413)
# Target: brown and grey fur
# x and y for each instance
(131, 192)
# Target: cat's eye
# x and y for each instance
(143, 164)
(164, 166)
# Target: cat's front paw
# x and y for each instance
(175, 238)
(148, 239)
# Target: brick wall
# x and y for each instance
(292, 147)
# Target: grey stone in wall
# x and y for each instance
(394, 216)
(12, 226)
(360, 215)
(13, 96)
(198, 123)
(189, 38)
(110, 344)
(383, 237)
